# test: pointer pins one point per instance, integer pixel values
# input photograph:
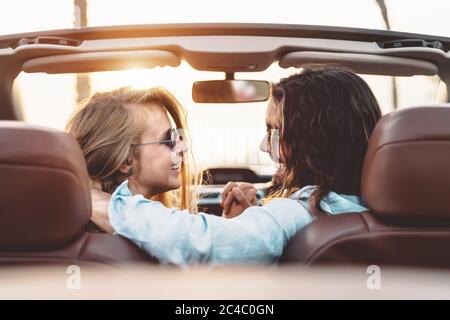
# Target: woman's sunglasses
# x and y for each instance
(173, 137)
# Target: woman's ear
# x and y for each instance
(126, 167)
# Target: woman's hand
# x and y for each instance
(100, 202)
(236, 197)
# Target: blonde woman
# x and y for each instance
(110, 127)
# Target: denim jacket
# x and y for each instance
(177, 237)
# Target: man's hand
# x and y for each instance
(100, 202)
(236, 197)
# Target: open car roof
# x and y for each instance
(220, 29)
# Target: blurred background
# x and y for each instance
(234, 140)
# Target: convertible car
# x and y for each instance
(45, 197)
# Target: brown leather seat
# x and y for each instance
(45, 202)
(406, 184)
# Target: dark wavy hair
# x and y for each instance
(328, 115)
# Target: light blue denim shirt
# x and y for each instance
(258, 235)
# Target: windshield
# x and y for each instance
(427, 17)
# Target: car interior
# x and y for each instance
(405, 178)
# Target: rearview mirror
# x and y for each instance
(230, 91)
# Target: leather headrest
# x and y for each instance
(45, 190)
(406, 175)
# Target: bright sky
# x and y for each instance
(49, 99)
(429, 16)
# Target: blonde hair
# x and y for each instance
(109, 123)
